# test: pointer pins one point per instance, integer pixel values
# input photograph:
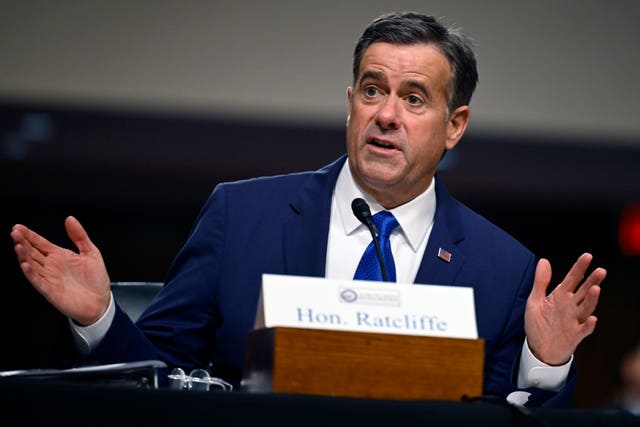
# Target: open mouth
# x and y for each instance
(381, 144)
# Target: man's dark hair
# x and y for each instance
(408, 28)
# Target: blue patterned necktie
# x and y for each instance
(369, 267)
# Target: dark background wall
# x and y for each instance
(127, 115)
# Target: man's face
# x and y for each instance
(398, 127)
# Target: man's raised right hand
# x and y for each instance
(77, 284)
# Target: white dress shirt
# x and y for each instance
(348, 237)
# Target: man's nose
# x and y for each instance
(388, 116)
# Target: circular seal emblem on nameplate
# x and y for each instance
(348, 295)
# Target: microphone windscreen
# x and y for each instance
(361, 210)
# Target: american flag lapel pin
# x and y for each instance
(444, 255)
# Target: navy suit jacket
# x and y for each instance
(280, 225)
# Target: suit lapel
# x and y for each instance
(306, 233)
(443, 258)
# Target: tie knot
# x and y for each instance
(385, 223)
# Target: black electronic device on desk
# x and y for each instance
(140, 374)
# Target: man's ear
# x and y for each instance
(349, 94)
(456, 125)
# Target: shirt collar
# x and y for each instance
(415, 217)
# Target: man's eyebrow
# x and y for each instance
(419, 86)
(373, 75)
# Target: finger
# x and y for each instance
(31, 239)
(34, 275)
(23, 249)
(541, 279)
(587, 327)
(31, 259)
(17, 233)
(596, 277)
(28, 272)
(576, 274)
(26, 254)
(78, 235)
(588, 304)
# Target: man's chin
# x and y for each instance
(379, 181)
(382, 171)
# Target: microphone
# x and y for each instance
(362, 211)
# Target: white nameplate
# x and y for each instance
(363, 306)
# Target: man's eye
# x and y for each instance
(370, 91)
(414, 100)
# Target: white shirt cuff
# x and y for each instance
(86, 338)
(534, 373)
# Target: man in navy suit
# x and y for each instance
(412, 83)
